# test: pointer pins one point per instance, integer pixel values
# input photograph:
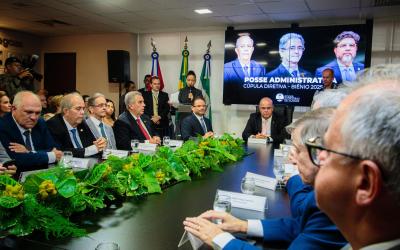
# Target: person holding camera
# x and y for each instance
(15, 78)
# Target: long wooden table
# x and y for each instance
(155, 222)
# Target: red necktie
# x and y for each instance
(144, 132)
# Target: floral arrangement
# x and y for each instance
(46, 200)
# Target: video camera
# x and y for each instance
(29, 64)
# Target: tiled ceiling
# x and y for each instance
(65, 17)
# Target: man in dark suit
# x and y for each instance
(146, 81)
(71, 131)
(235, 71)
(189, 93)
(291, 48)
(240, 69)
(196, 124)
(133, 124)
(266, 123)
(344, 67)
(157, 107)
(25, 135)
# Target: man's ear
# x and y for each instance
(369, 184)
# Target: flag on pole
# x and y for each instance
(184, 66)
(205, 78)
(155, 68)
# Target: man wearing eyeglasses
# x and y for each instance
(344, 66)
(357, 185)
(97, 111)
(291, 48)
(71, 131)
(196, 124)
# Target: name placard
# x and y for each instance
(245, 201)
(115, 152)
(263, 181)
(147, 147)
(253, 140)
(175, 143)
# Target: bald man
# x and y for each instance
(266, 123)
(25, 135)
(240, 69)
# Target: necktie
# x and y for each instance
(203, 125)
(246, 70)
(103, 133)
(347, 75)
(155, 105)
(294, 73)
(28, 144)
(75, 138)
(144, 132)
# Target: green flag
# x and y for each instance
(205, 80)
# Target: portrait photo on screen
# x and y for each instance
(286, 64)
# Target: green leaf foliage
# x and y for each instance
(63, 192)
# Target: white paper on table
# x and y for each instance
(147, 147)
(252, 140)
(80, 162)
(175, 143)
(194, 241)
(115, 152)
(245, 201)
(263, 181)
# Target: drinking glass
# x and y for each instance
(222, 203)
(66, 158)
(166, 141)
(107, 246)
(135, 145)
(279, 170)
(248, 185)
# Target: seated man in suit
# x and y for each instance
(25, 135)
(291, 48)
(189, 93)
(196, 124)
(266, 123)
(307, 228)
(344, 67)
(133, 124)
(97, 111)
(71, 131)
(157, 107)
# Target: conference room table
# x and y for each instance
(155, 221)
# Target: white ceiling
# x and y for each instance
(144, 16)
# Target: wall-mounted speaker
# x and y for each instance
(118, 66)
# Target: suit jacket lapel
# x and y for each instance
(259, 123)
(237, 67)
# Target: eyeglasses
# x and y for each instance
(315, 146)
(101, 105)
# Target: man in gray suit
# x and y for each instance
(97, 111)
